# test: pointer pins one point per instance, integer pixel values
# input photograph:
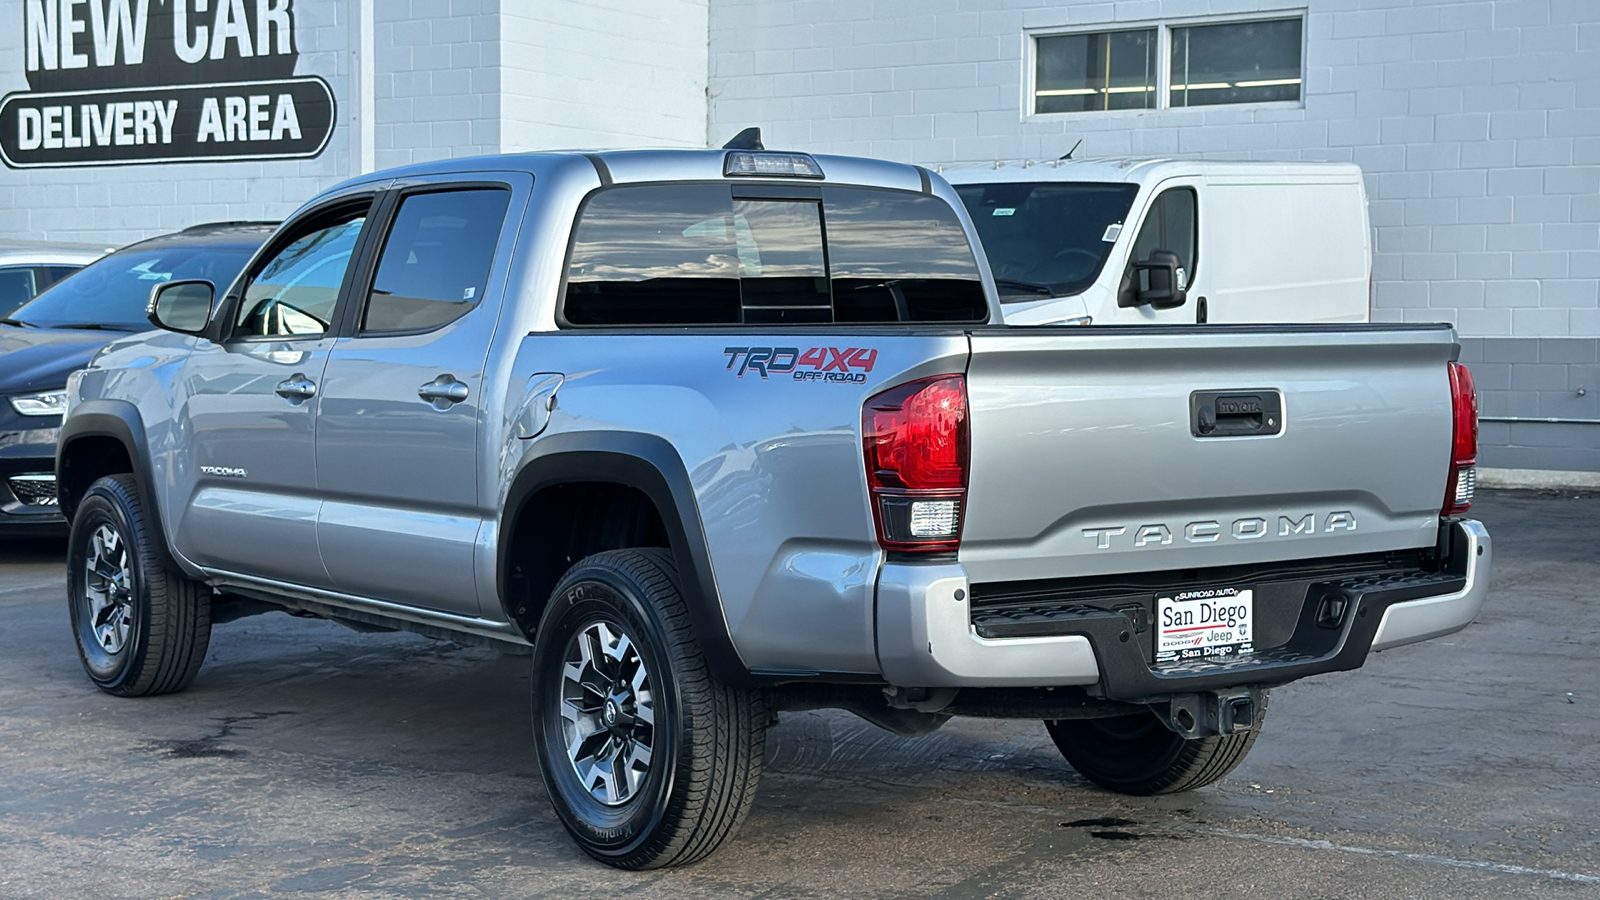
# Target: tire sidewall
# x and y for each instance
(102, 506)
(588, 594)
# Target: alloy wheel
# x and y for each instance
(607, 712)
(108, 588)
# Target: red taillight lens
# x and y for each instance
(1464, 445)
(915, 438)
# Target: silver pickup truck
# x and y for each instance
(719, 434)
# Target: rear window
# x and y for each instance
(697, 254)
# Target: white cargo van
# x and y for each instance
(1144, 241)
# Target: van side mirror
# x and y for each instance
(181, 306)
(1158, 282)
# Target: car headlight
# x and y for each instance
(45, 403)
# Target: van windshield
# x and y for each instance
(1046, 239)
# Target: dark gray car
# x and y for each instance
(60, 330)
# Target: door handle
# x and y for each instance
(295, 388)
(443, 392)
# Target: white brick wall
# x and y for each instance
(1476, 121)
(437, 79)
(603, 73)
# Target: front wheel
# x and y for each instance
(1138, 755)
(141, 628)
(648, 759)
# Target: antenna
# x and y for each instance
(748, 139)
(1074, 149)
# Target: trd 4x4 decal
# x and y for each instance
(849, 365)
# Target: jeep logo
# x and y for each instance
(1207, 531)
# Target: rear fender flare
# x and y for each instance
(651, 465)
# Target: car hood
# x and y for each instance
(39, 359)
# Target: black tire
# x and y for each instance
(704, 739)
(141, 628)
(1138, 755)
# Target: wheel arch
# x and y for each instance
(633, 466)
(101, 437)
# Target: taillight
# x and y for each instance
(916, 442)
(1464, 445)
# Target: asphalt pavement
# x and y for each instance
(310, 759)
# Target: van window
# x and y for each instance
(1170, 224)
(693, 254)
(436, 258)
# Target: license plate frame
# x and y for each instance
(1214, 624)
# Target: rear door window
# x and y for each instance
(435, 263)
(696, 254)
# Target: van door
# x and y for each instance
(1171, 222)
(1286, 249)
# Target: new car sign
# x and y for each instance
(140, 81)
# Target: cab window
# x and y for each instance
(696, 254)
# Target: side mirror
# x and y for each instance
(181, 306)
(1159, 282)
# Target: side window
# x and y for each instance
(436, 259)
(294, 292)
(16, 288)
(1170, 224)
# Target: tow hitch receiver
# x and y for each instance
(1231, 711)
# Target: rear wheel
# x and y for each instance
(141, 628)
(649, 759)
(1136, 754)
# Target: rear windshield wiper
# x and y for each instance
(1028, 286)
(17, 322)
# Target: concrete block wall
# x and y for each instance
(603, 74)
(437, 79)
(1477, 123)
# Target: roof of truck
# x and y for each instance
(625, 166)
(1137, 170)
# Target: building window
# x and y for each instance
(1236, 62)
(1205, 64)
(1106, 70)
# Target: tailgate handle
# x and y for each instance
(1235, 413)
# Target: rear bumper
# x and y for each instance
(927, 636)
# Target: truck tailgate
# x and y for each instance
(1086, 457)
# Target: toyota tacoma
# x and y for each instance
(718, 434)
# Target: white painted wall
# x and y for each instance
(603, 74)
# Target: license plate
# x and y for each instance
(1204, 624)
